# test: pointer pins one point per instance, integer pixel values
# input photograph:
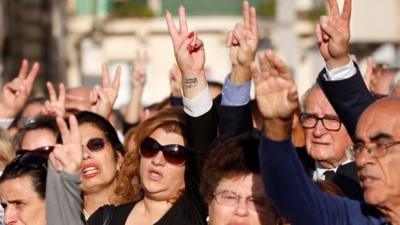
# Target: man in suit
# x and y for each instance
(328, 143)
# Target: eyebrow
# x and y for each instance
(315, 114)
(381, 136)
(376, 137)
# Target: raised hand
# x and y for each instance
(243, 43)
(16, 92)
(175, 81)
(56, 105)
(139, 71)
(189, 54)
(103, 98)
(275, 89)
(333, 34)
(68, 156)
(372, 74)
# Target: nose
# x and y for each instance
(10, 216)
(158, 159)
(319, 129)
(363, 158)
(86, 153)
(242, 207)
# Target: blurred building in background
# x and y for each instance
(81, 34)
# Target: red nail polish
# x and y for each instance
(190, 35)
(190, 49)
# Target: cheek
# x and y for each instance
(218, 213)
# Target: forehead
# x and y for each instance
(250, 183)
(17, 188)
(90, 130)
(164, 137)
(379, 120)
(317, 102)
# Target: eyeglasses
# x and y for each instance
(310, 120)
(173, 153)
(96, 144)
(231, 198)
(32, 158)
(376, 150)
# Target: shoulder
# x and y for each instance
(118, 214)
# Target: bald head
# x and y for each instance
(384, 111)
(77, 99)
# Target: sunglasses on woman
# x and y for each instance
(173, 153)
(96, 144)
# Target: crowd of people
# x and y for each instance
(208, 154)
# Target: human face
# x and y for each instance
(99, 168)
(245, 186)
(328, 148)
(162, 180)
(379, 176)
(22, 205)
(38, 138)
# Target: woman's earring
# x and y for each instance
(208, 220)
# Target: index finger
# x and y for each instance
(105, 75)
(32, 75)
(246, 14)
(346, 13)
(333, 7)
(23, 70)
(52, 91)
(171, 25)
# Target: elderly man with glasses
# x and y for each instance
(329, 144)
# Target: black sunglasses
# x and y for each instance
(96, 144)
(32, 158)
(45, 150)
(173, 153)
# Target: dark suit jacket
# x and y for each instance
(345, 177)
(298, 200)
(349, 97)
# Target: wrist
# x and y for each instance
(337, 62)
(6, 112)
(240, 74)
(192, 84)
(277, 129)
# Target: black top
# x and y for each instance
(190, 208)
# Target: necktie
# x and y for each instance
(329, 174)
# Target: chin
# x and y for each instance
(372, 197)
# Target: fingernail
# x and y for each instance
(190, 35)
(190, 49)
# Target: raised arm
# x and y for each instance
(138, 79)
(286, 183)
(63, 194)
(234, 109)
(341, 81)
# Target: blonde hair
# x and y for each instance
(7, 152)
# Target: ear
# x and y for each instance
(119, 159)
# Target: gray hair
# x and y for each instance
(305, 96)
